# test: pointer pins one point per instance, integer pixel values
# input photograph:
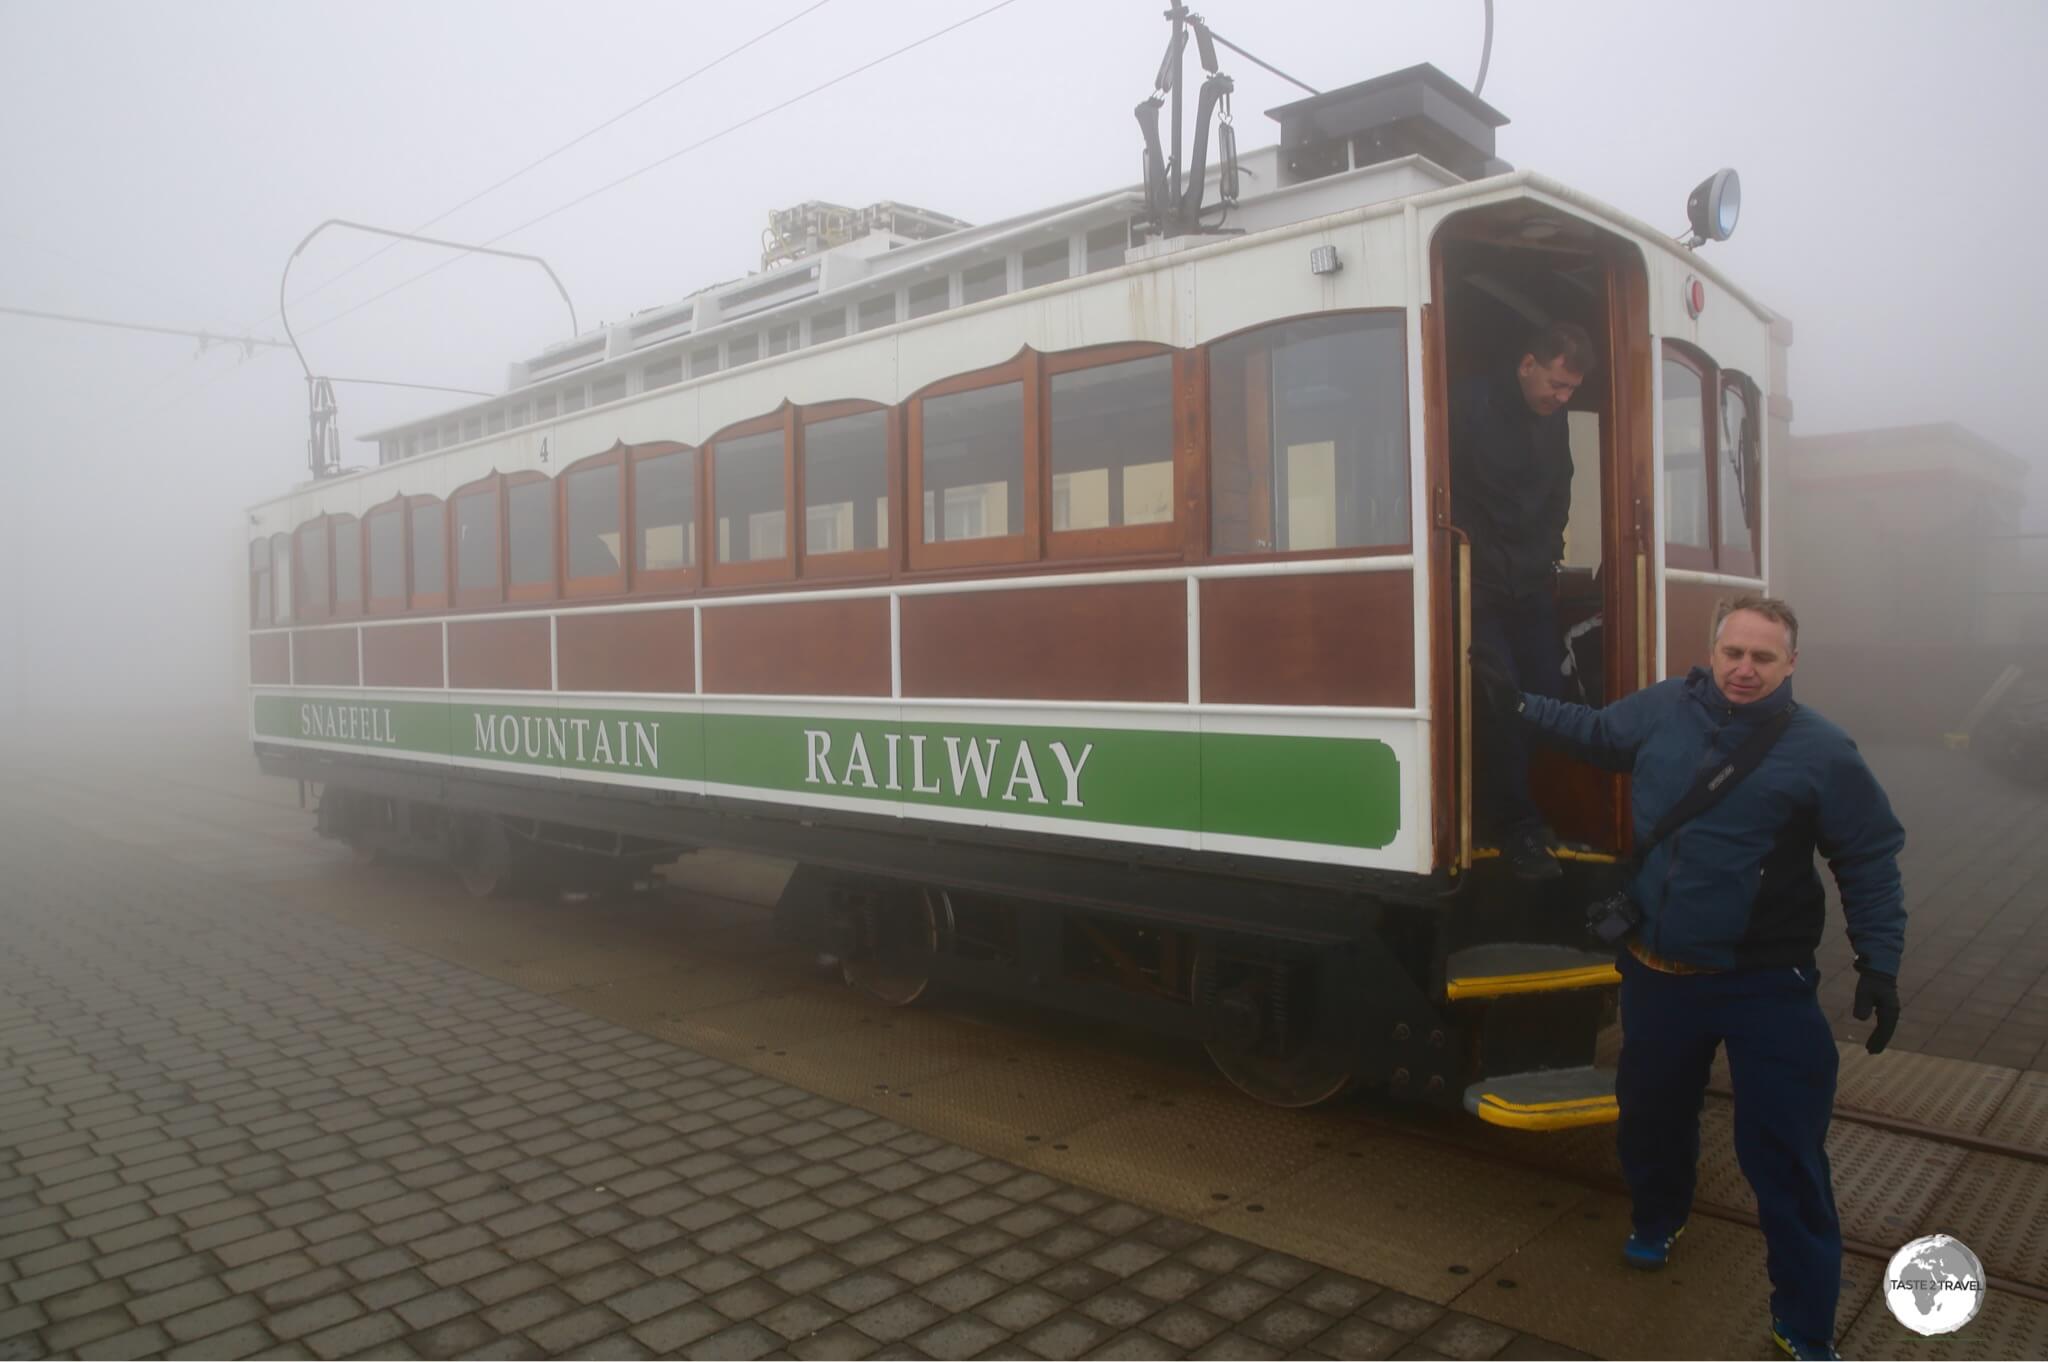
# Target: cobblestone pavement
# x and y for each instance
(226, 1130)
(1975, 982)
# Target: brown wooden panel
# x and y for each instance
(1338, 639)
(402, 655)
(649, 651)
(1124, 642)
(1689, 621)
(324, 657)
(802, 648)
(492, 654)
(270, 659)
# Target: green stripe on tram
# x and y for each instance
(1324, 790)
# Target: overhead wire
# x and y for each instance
(658, 162)
(726, 131)
(532, 165)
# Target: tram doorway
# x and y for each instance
(1501, 275)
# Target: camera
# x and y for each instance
(1612, 918)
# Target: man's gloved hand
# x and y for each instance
(1879, 991)
(1495, 684)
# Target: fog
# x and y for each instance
(161, 162)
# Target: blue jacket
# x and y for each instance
(1736, 887)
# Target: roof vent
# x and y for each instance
(1416, 112)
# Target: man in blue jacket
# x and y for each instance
(1731, 911)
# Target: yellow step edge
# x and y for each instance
(1560, 1115)
(1559, 853)
(1539, 981)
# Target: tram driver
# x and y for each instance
(1511, 486)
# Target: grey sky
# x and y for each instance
(160, 161)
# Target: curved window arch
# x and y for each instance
(345, 536)
(972, 494)
(590, 514)
(666, 524)
(384, 544)
(476, 521)
(427, 541)
(1308, 436)
(312, 570)
(846, 461)
(749, 477)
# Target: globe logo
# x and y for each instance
(1934, 1285)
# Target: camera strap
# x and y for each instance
(1714, 782)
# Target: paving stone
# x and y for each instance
(1119, 1307)
(463, 1337)
(245, 1340)
(520, 1313)
(1021, 1308)
(1235, 1298)
(386, 1292)
(1360, 1338)
(1404, 1314)
(799, 1318)
(1334, 1293)
(1065, 1336)
(132, 1343)
(742, 1341)
(361, 1335)
(324, 1312)
(435, 1307)
(676, 1330)
(1462, 1336)
(212, 1319)
(656, 1297)
(573, 1330)
(66, 1335)
(808, 1274)
(1236, 1347)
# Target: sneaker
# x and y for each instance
(1642, 1251)
(1527, 849)
(1792, 1345)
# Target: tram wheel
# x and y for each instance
(1308, 1071)
(482, 855)
(899, 935)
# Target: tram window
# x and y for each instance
(608, 389)
(515, 416)
(665, 511)
(704, 361)
(828, 326)
(572, 399)
(348, 565)
(1112, 445)
(1738, 475)
(1309, 436)
(846, 484)
(1106, 246)
(259, 583)
(281, 578)
(985, 281)
(451, 434)
(430, 440)
(661, 375)
(1685, 459)
(312, 571)
(1046, 264)
(530, 531)
(473, 428)
(592, 501)
(876, 313)
(494, 421)
(781, 339)
(748, 500)
(544, 407)
(741, 350)
(412, 445)
(429, 553)
(928, 297)
(973, 464)
(476, 545)
(387, 557)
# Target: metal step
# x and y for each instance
(1545, 1099)
(1504, 967)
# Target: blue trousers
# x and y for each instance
(1522, 632)
(1782, 1060)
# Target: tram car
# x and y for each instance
(1076, 599)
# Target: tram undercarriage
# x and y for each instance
(1299, 984)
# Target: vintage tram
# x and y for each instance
(1074, 599)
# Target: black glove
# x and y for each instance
(1875, 989)
(1495, 685)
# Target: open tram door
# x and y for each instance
(1513, 966)
(1499, 274)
